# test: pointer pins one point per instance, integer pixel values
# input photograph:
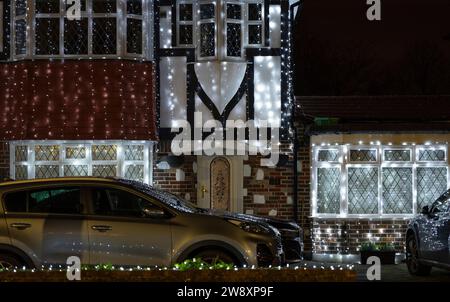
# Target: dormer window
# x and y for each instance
(106, 29)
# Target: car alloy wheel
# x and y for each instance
(412, 254)
(412, 258)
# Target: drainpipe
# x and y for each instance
(293, 116)
(295, 186)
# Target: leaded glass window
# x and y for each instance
(431, 155)
(76, 37)
(134, 27)
(135, 172)
(185, 24)
(397, 190)
(104, 152)
(398, 155)
(75, 152)
(47, 36)
(71, 159)
(21, 37)
(104, 170)
(431, 183)
(363, 190)
(207, 11)
(104, 36)
(234, 30)
(331, 155)
(75, 170)
(363, 155)
(328, 192)
(47, 171)
(207, 40)
(394, 184)
(46, 153)
(234, 40)
(47, 6)
(21, 172)
(21, 153)
(255, 24)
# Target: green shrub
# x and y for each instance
(198, 264)
(377, 247)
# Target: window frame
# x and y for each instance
(344, 163)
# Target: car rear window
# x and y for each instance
(59, 200)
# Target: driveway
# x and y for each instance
(389, 273)
(399, 273)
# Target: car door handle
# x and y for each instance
(102, 228)
(20, 226)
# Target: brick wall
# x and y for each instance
(166, 179)
(4, 160)
(346, 235)
(271, 195)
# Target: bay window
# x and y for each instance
(376, 181)
(106, 29)
(47, 159)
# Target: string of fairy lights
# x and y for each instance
(300, 267)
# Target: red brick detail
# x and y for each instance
(332, 236)
(166, 179)
(276, 187)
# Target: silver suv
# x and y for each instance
(121, 222)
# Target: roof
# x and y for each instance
(381, 108)
(350, 114)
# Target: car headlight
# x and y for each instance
(250, 227)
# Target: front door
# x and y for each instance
(219, 182)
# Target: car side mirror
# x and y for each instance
(426, 210)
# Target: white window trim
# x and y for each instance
(121, 163)
(344, 163)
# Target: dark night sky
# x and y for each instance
(339, 52)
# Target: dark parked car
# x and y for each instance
(123, 222)
(428, 238)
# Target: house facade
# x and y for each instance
(103, 93)
(368, 171)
